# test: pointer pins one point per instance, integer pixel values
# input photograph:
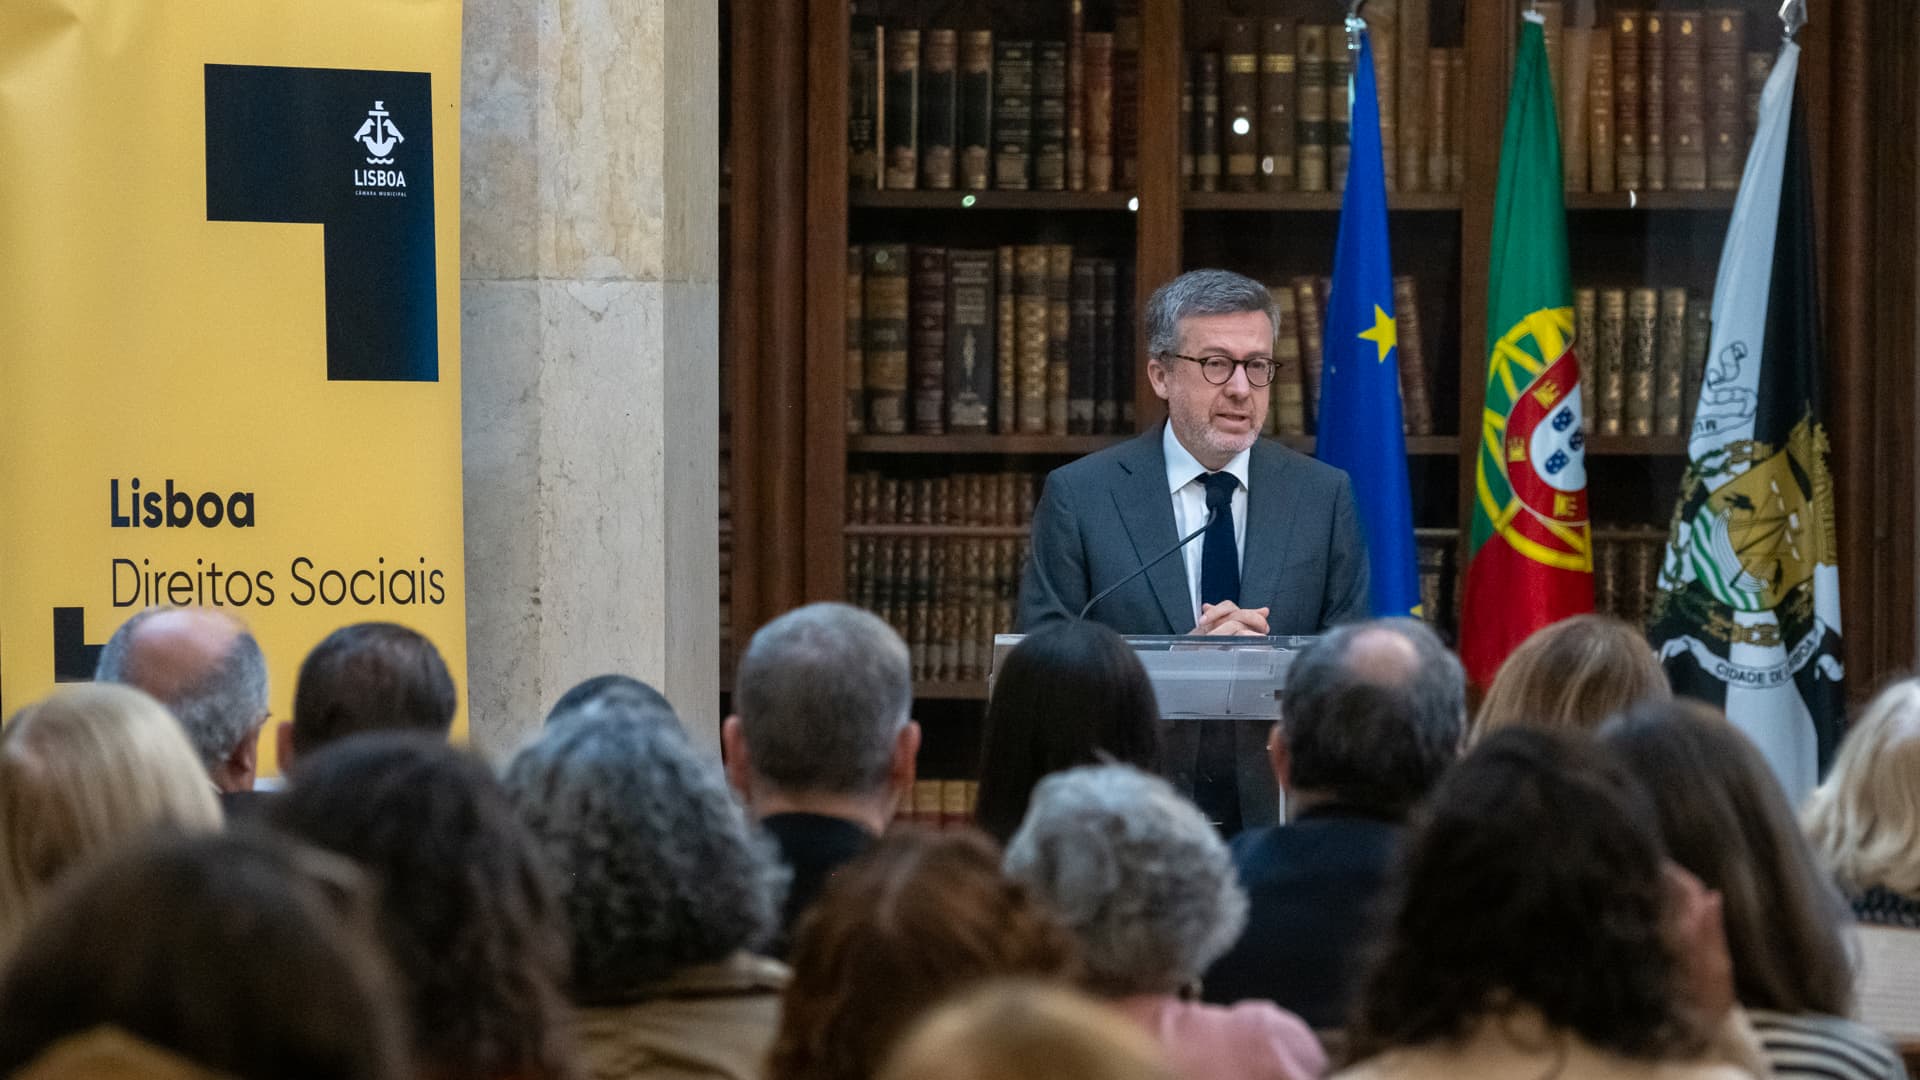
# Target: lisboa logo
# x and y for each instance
(379, 135)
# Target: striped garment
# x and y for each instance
(1813, 1047)
(1881, 906)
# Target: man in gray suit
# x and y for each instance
(1280, 550)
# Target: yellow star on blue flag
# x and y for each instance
(1383, 333)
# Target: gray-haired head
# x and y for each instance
(1137, 871)
(1201, 292)
(1373, 713)
(656, 864)
(822, 693)
(202, 665)
(610, 687)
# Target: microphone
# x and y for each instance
(1146, 566)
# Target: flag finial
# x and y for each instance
(1532, 14)
(1793, 16)
(1355, 24)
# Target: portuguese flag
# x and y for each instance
(1531, 557)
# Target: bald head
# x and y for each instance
(205, 667)
(1382, 654)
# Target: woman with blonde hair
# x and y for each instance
(1572, 674)
(1022, 1030)
(1864, 821)
(82, 771)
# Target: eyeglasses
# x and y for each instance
(1218, 370)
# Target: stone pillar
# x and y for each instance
(590, 342)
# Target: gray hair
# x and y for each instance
(218, 709)
(1202, 292)
(1373, 736)
(657, 867)
(822, 694)
(1137, 872)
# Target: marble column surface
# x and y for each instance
(590, 326)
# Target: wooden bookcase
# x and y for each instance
(790, 217)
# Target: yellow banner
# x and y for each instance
(229, 324)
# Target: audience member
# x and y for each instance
(466, 908)
(1145, 882)
(602, 687)
(208, 671)
(370, 676)
(666, 888)
(920, 917)
(249, 957)
(820, 746)
(1536, 928)
(1864, 820)
(82, 771)
(1726, 821)
(1014, 1030)
(1072, 694)
(1372, 714)
(1572, 674)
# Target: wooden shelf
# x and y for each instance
(1636, 446)
(971, 690)
(1057, 445)
(1104, 201)
(1650, 200)
(985, 532)
(1283, 202)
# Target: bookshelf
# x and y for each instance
(793, 212)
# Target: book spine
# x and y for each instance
(1600, 133)
(1031, 313)
(1610, 373)
(976, 109)
(1759, 67)
(1075, 163)
(928, 344)
(1125, 353)
(968, 553)
(1416, 398)
(1726, 97)
(1339, 106)
(1083, 310)
(1275, 124)
(1439, 120)
(1059, 331)
(971, 322)
(918, 573)
(1699, 335)
(1643, 313)
(1629, 159)
(1414, 113)
(886, 503)
(1670, 363)
(1306, 294)
(1012, 114)
(1206, 123)
(1577, 53)
(1126, 94)
(856, 355)
(1686, 102)
(1653, 98)
(885, 345)
(1553, 20)
(1099, 111)
(1189, 100)
(1289, 410)
(939, 108)
(1239, 99)
(1106, 407)
(902, 108)
(1457, 139)
(1310, 133)
(1050, 116)
(1606, 578)
(863, 104)
(1586, 341)
(1006, 377)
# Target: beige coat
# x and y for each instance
(715, 1022)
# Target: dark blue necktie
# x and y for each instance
(1219, 557)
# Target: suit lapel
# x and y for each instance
(1146, 509)
(1270, 529)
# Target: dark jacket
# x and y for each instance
(813, 846)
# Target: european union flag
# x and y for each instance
(1359, 418)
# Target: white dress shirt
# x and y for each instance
(1186, 481)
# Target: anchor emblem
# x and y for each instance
(379, 135)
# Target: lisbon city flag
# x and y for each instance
(1748, 616)
(1531, 556)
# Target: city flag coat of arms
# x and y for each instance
(1748, 616)
(1531, 557)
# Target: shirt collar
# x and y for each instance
(1182, 466)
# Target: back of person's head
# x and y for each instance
(1864, 820)
(822, 695)
(207, 669)
(87, 769)
(246, 955)
(466, 907)
(1136, 871)
(626, 690)
(655, 863)
(370, 676)
(1572, 674)
(1726, 820)
(918, 918)
(1072, 694)
(1533, 878)
(1019, 1030)
(1371, 715)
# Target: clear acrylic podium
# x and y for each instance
(1233, 681)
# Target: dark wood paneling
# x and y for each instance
(1159, 218)
(826, 283)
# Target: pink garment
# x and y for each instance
(1253, 1040)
